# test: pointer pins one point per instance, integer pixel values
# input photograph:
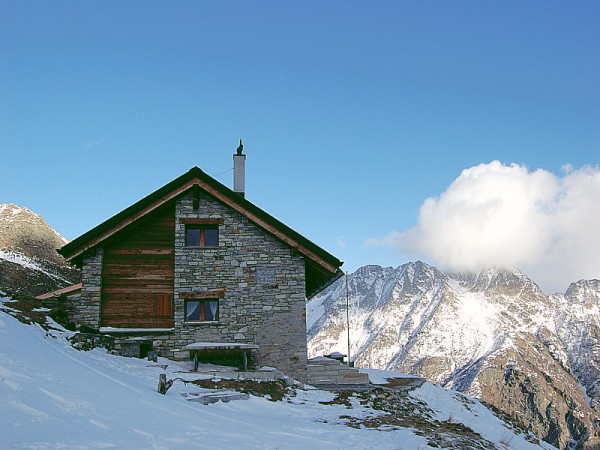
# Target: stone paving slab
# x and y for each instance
(214, 397)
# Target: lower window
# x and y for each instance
(205, 310)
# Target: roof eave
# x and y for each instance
(94, 237)
(338, 274)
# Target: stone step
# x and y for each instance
(326, 371)
(351, 376)
(321, 360)
(333, 381)
(340, 373)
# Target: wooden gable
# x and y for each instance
(138, 273)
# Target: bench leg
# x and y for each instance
(195, 360)
(245, 360)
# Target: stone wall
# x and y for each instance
(259, 282)
(87, 309)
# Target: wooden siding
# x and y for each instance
(138, 274)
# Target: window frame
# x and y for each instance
(202, 303)
(202, 225)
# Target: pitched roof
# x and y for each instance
(322, 268)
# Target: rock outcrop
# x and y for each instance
(29, 263)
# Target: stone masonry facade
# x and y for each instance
(266, 310)
(272, 315)
(87, 304)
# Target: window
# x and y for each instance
(201, 236)
(205, 310)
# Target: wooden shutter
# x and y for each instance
(164, 305)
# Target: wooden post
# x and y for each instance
(162, 383)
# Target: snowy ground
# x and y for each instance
(55, 397)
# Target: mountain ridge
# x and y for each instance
(493, 334)
(29, 262)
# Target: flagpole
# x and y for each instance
(348, 319)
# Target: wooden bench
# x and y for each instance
(197, 347)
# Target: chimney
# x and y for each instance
(239, 171)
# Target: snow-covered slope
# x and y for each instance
(494, 335)
(26, 262)
(53, 396)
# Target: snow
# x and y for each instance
(314, 311)
(377, 376)
(25, 261)
(478, 317)
(54, 396)
(115, 330)
(13, 210)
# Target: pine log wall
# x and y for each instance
(138, 273)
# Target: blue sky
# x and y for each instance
(352, 113)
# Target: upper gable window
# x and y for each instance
(198, 235)
(202, 232)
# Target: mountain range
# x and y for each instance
(492, 334)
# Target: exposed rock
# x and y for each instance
(29, 263)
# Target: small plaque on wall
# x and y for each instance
(265, 275)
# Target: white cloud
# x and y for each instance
(498, 215)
